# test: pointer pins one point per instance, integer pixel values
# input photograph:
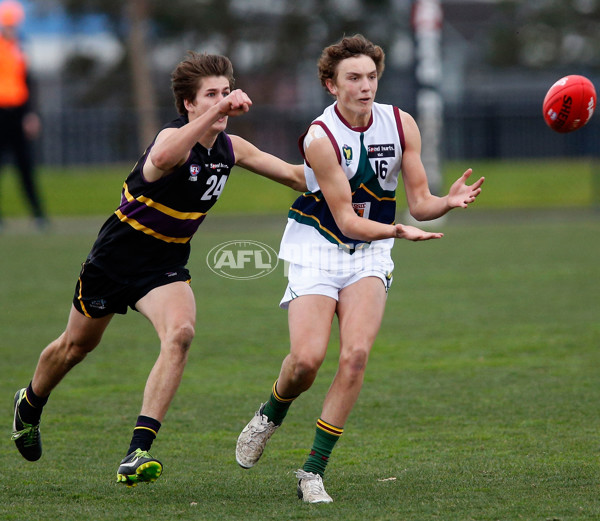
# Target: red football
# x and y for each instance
(569, 104)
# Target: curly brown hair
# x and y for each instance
(348, 47)
(187, 77)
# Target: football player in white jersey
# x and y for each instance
(338, 241)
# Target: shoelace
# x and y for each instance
(258, 428)
(139, 453)
(31, 432)
(315, 486)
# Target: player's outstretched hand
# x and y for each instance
(462, 195)
(412, 233)
(235, 103)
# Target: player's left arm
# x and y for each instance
(423, 205)
(252, 158)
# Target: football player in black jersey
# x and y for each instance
(139, 258)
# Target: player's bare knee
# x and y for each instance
(305, 369)
(354, 361)
(181, 336)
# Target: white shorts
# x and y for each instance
(305, 280)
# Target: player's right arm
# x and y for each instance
(322, 158)
(173, 145)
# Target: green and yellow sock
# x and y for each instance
(326, 436)
(277, 406)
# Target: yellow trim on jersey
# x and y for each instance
(310, 194)
(148, 231)
(319, 223)
(161, 207)
(362, 185)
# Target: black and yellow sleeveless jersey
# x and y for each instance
(152, 228)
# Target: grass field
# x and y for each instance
(480, 402)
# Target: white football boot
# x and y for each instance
(311, 489)
(252, 440)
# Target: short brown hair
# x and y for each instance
(188, 75)
(348, 47)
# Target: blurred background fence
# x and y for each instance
(478, 129)
(102, 68)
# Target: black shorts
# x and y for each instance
(98, 295)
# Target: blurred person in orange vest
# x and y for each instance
(19, 125)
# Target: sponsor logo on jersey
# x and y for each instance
(377, 151)
(216, 166)
(194, 171)
(347, 151)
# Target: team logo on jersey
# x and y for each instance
(362, 209)
(377, 151)
(347, 151)
(194, 171)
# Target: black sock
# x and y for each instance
(145, 431)
(30, 409)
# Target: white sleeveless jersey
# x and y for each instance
(371, 158)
